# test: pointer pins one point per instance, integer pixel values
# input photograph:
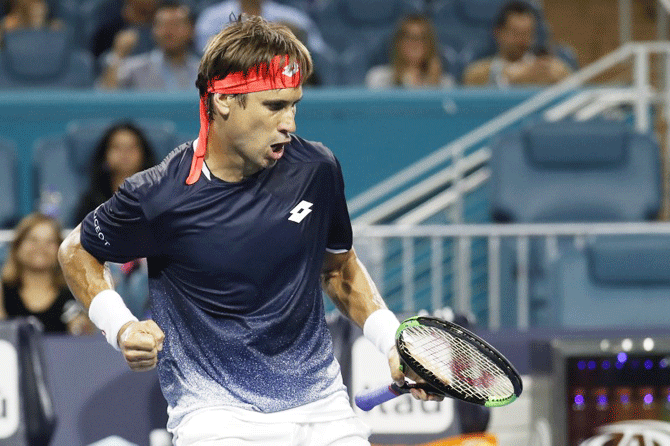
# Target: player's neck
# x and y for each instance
(223, 161)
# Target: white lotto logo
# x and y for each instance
(402, 415)
(291, 69)
(631, 433)
(301, 211)
(9, 390)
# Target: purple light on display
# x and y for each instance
(592, 365)
(619, 365)
(625, 399)
(606, 364)
(648, 364)
(581, 365)
(663, 363)
(602, 400)
(648, 398)
(579, 399)
(668, 398)
(621, 357)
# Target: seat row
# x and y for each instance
(588, 172)
(599, 171)
(61, 166)
(357, 35)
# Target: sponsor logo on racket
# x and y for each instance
(464, 371)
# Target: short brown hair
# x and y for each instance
(248, 42)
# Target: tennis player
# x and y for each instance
(240, 227)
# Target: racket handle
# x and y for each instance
(371, 398)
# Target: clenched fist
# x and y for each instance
(140, 343)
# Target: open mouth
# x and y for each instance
(277, 150)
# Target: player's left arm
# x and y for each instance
(347, 282)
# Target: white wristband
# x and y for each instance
(379, 328)
(109, 313)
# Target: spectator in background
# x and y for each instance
(28, 14)
(33, 283)
(122, 151)
(214, 18)
(125, 30)
(415, 58)
(515, 62)
(171, 66)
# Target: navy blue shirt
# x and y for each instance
(234, 275)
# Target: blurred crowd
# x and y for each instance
(155, 44)
(31, 279)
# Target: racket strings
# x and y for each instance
(457, 363)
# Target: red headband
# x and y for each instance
(280, 74)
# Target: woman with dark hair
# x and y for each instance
(33, 283)
(122, 151)
(415, 58)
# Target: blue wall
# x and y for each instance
(373, 133)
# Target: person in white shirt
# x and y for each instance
(212, 19)
(171, 66)
(515, 63)
(415, 58)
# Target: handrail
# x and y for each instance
(446, 175)
(445, 199)
(511, 230)
(457, 147)
(463, 236)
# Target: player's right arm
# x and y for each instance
(90, 280)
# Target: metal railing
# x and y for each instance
(401, 190)
(371, 243)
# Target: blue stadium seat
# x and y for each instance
(303, 5)
(327, 67)
(595, 171)
(353, 27)
(93, 14)
(56, 177)
(575, 171)
(9, 207)
(464, 24)
(613, 281)
(98, 14)
(82, 136)
(44, 58)
(61, 162)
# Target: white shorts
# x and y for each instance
(221, 427)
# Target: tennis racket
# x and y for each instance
(453, 362)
